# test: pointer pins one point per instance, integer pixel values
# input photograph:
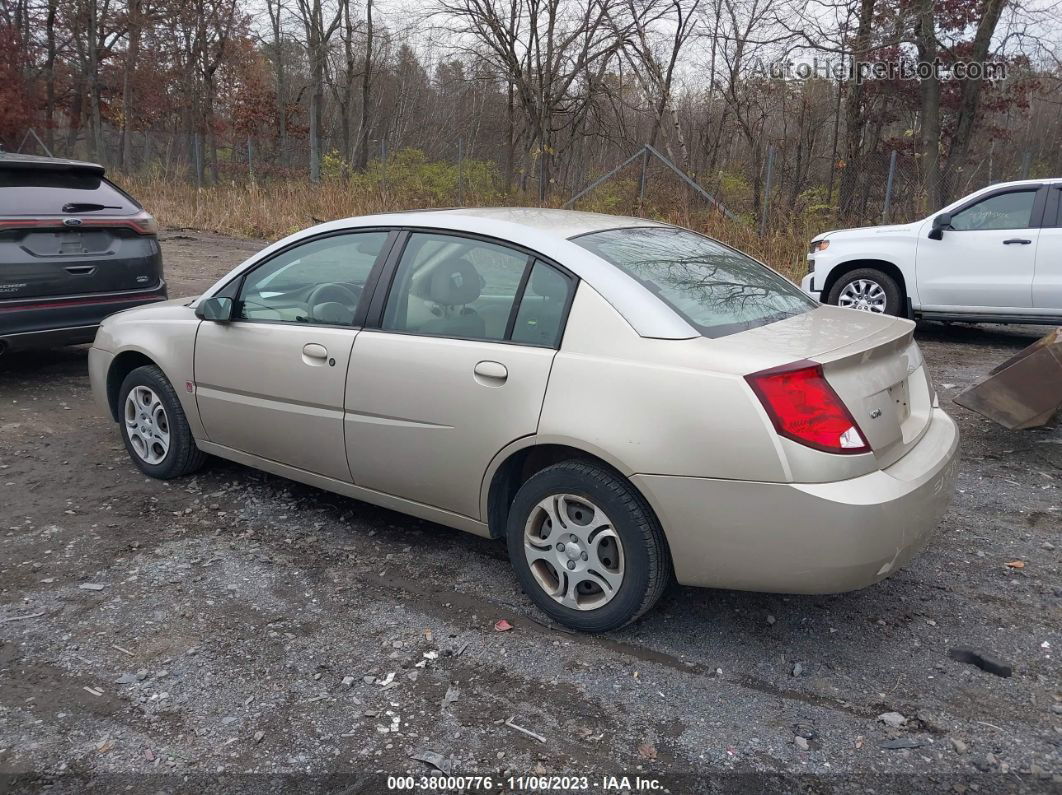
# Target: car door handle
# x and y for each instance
(491, 373)
(313, 350)
(1019, 240)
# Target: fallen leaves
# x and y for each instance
(501, 625)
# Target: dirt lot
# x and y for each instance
(235, 622)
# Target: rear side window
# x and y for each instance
(449, 286)
(716, 289)
(32, 191)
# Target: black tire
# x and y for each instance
(646, 559)
(895, 300)
(182, 457)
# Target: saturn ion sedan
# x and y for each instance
(623, 401)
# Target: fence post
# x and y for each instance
(888, 188)
(383, 164)
(198, 160)
(1026, 161)
(250, 159)
(460, 172)
(767, 191)
(641, 181)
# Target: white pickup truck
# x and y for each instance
(994, 256)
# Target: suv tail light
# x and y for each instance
(143, 223)
(803, 407)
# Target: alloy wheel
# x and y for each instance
(147, 425)
(574, 552)
(863, 294)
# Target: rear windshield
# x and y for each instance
(33, 191)
(716, 289)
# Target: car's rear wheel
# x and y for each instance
(586, 546)
(154, 428)
(869, 290)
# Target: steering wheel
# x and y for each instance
(333, 291)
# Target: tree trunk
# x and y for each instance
(930, 89)
(970, 97)
(366, 90)
(281, 91)
(855, 114)
(125, 153)
(94, 82)
(49, 107)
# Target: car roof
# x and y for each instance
(16, 160)
(560, 223)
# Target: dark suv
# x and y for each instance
(74, 248)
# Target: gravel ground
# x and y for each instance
(238, 623)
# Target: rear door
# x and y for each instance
(1047, 283)
(456, 371)
(67, 231)
(986, 260)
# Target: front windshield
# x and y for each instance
(716, 289)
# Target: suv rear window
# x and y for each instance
(717, 289)
(42, 191)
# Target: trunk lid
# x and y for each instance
(871, 361)
(883, 381)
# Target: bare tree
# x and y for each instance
(552, 52)
(319, 24)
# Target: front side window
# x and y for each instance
(1011, 210)
(319, 282)
(450, 286)
(716, 289)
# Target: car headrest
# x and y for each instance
(454, 282)
(332, 312)
(547, 283)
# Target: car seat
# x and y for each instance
(452, 285)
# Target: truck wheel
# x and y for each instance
(868, 290)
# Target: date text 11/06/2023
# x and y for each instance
(544, 783)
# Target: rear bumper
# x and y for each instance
(65, 321)
(811, 537)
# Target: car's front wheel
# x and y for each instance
(586, 546)
(154, 428)
(869, 290)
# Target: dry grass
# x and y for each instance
(276, 208)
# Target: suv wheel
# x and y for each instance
(586, 547)
(869, 290)
(154, 428)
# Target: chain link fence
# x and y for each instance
(882, 186)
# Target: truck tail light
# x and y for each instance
(804, 407)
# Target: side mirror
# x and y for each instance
(940, 223)
(217, 309)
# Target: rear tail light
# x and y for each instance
(803, 407)
(142, 223)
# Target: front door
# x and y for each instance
(985, 261)
(271, 381)
(456, 371)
